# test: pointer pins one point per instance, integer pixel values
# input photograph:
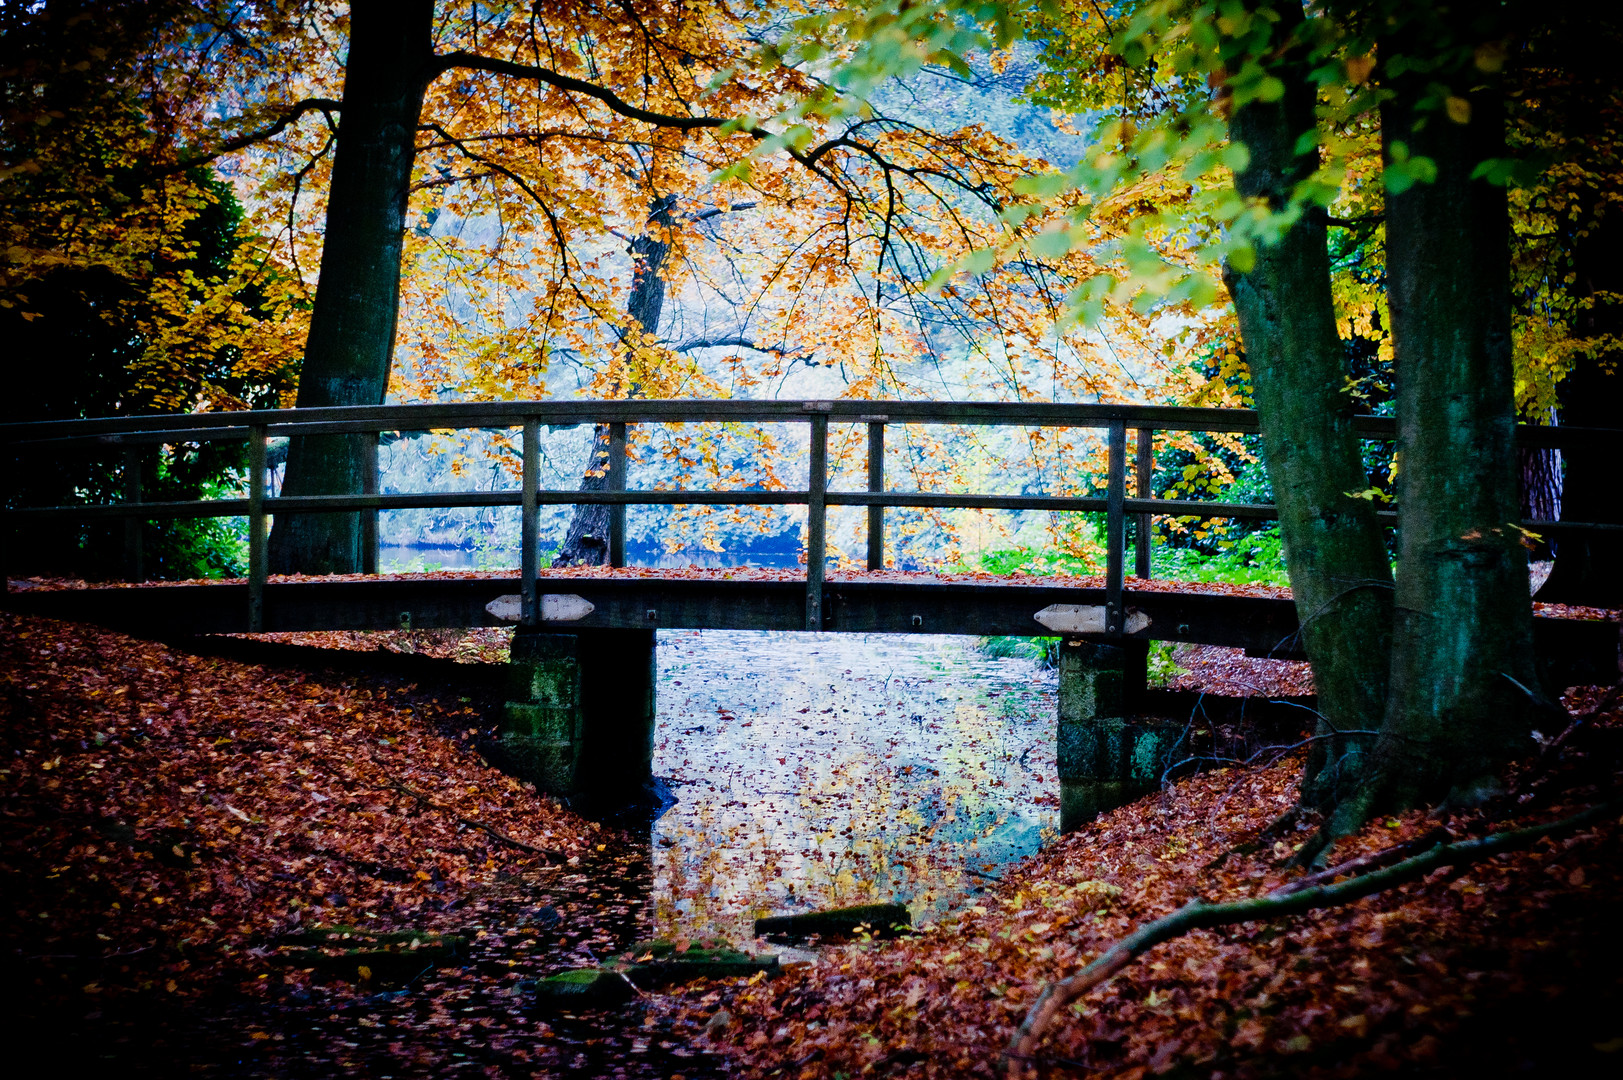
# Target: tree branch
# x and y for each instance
(732, 343)
(467, 61)
(1286, 900)
(716, 211)
(325, 106)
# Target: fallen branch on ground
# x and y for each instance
(1289, 899)
(470, 822)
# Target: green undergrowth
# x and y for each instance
(1257, 558)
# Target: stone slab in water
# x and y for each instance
(881, 920)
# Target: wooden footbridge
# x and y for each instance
(1112, 614)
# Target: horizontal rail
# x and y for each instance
(513, 414)
(278, 423)
(316, 504)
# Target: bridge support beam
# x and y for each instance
(579, 719)
(1107, 756)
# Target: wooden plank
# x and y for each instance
(876, 485)
(1115, 526)
(527, 521)
(1264, 626)
(617, 482)
(258, 533)
(816, 520)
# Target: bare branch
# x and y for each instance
(467, 61)
(733, 343)
(325, 106)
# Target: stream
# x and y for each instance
(816, 770)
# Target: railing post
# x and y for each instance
(258, 535)
(1115, 526)
(617, 482)
(527, 523)
(369, 518)
(1146, 477)
(816, 520)
(134, 570)
(876, 483)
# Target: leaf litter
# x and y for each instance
(146, 917)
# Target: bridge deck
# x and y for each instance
(886, 602)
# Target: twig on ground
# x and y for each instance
(469, 822)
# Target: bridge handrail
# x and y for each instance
(129, 433)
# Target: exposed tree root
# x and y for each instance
(1292, 899)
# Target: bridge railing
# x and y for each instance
(129, 434)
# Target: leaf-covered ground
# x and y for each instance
(169, 818)
(1509, 967)
(171, 815)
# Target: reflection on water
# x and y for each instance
(823, 769)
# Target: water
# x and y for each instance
(826, 769)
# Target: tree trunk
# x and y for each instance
(1333, 546)
(1540, 470)
(586, 543)
(1589, 569)
(352, 326)
(1463, 627)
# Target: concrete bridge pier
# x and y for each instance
(1108, 756)
(579, 718)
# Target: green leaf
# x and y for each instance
(1242, 257)
(1052, 243)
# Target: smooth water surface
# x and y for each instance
(816, 770)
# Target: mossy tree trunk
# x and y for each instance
(352, 326)
(1333, 546)
(1462, 630)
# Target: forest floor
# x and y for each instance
(171, 817)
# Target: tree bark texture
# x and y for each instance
(1333, 546)
(352, 326)
(586, 543)
(1462, 630)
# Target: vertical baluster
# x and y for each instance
(134, 528)
(257, 532)
(1146, 476)
(816, 521)
(527, 525)
(369, 518)
(1115, 526)
(617, 482)
(876, 482)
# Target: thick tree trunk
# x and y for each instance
(586, 543)
(1463, 628)
(1589, 569)
(352, 326)
(1333, 546)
